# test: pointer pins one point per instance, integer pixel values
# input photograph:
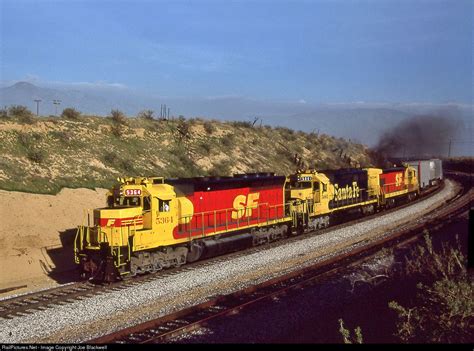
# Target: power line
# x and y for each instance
(37, 106)
(56, 103)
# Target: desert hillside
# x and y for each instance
(45, 154)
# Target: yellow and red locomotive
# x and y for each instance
(152, 223)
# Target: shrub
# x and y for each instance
(222, 168)
(36, 155)
(444, 309)
(127, 165)
(110, 157)
(209, 127)
(3, 113)
(118, 117)
(117, 130)
(146, 114)
(243, 124)
(22, 113)
(346, 334)
(228, 140)
(71, 113)
(63, 136)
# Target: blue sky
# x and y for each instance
(307, 51)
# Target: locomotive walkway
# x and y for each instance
(168, 292)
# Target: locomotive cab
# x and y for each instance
(139, 215)
(310, 190)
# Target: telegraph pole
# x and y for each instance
(449, 151)
(56, 103)
(37, 106)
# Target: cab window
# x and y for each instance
(164, 205)
(146, 203)
(127, 201)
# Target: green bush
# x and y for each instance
(71, 113)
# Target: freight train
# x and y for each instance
(151, 223)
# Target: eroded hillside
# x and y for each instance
(43, 155)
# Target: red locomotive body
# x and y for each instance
(393, 180)
(230, 203)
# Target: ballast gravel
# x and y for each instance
(102, 314)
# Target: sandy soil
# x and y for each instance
(36, 236)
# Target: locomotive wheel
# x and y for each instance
(195, 252)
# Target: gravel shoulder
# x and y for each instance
(98, 315)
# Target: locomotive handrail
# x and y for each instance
(187, 221)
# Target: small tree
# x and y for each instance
(71, 113)
(146, 114)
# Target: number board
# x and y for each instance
(305, 178)
(133, 192)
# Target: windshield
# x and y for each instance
(125, 201)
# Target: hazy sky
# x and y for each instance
(307, 51)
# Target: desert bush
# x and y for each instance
(71, 113)
(118, 117)
(443, 311)
(110, 157)
(222, 168)
(209, 127)
(146, 114)
(117, 130)
(243, 124)
(3, 113)
(228, 140)
(183, 129)
(127, 165)
(346, 334)
(63, 136)
(29, 140)
(36, 155)
(22, 113)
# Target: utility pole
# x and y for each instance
(37, 106)
(449, 151)
(56, 103)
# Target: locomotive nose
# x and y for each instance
(131, 216)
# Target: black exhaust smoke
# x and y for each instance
(417, 137)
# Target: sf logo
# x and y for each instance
(243, 205)
(398, 179)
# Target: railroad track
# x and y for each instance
(170, 326)
(32, 302)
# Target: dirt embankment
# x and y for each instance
(36, 235)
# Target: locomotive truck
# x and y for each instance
(151, 223)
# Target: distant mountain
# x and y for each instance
(363, 122)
